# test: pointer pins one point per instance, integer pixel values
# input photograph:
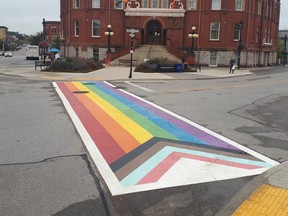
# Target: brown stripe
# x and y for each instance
(136, 162)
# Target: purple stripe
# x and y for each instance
(210, 139)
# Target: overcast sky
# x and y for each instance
(26, 16)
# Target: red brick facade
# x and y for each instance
(52, 30)
(169, 22)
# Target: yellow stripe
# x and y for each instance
(139, 133)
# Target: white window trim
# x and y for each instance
(98, 5)
(191, 8)
(242, 5)
(217, 7)
(95, 36)
(75, 29)
(75, 4)
(218, 36)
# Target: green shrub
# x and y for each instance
(152, 65)
(77, 65)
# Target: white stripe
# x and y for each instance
(138, 86)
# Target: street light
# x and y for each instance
(109, 33)
(193, 35)
(239, 48)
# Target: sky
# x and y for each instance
(25, 16)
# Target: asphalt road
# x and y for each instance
(46, 170)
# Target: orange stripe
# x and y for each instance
(121, 136)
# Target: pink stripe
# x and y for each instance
(157, 172)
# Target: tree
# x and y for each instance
(56, 43)
(35, 39)
(280, 48)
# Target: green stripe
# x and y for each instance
(149, 126)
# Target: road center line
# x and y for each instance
(138, 86)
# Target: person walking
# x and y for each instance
(232, 65)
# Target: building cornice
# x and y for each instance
(159, 12)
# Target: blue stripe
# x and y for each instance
(157, 158)
(164, 124)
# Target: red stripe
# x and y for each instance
(108, 147)
(155, 174)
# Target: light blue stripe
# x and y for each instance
(163, 123)
(152, 162)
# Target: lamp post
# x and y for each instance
(44, 30)
(193, 35)
(109, 33)
(132, 35)
(239, 48)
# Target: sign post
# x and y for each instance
(132, 35)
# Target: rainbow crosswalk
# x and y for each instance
(138, 146)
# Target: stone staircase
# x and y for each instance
(149, 52)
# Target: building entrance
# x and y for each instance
(154, 33)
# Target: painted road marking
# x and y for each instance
(138, 86)
(138, 146)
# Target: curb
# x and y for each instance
(250, 187)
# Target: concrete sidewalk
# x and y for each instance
(122, 73)
(265, 195)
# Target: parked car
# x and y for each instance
(8, 54)
(2, 53)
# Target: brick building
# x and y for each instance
(3, 33)
(169, 22)
(52, 30)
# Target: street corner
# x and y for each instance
(266, 200)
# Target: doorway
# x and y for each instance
(154, 33)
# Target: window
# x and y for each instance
(214, 31)
(96, 53)
(118, 4)
(76, 51)
(237, 32)
(76, 28)
(239, 5)
(213, 58)
(216, 4)
(145, 3)
(95, 3)
(154, 3)
(53, 30)
(259, 7)
(76, 3)
(191, 4)
(257, 34)
(96, 28)
(164, 3)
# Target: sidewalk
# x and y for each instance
(265, 195)
(122, 73)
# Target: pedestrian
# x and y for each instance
(57, 56)
(284, 62)
(232, 65)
